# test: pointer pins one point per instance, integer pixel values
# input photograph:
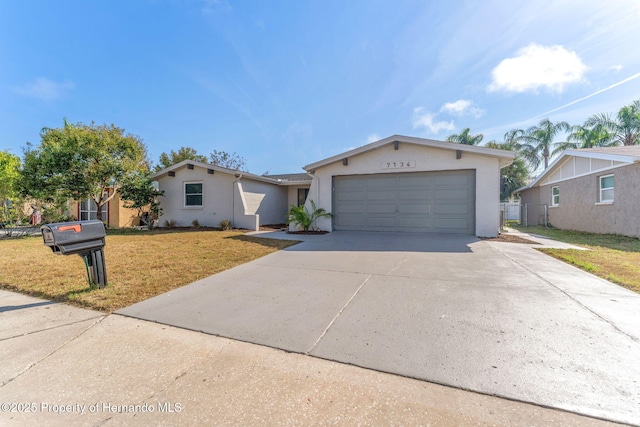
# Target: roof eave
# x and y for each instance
(235, 172)
(604, 156)
(504, 154)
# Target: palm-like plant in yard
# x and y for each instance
(304, 217)
(536, 143)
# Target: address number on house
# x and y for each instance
(398, 165)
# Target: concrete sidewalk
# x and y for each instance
(68, 366)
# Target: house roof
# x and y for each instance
(295, 177)
(505, 157)
(623, 150)
(183, 164)
(623, 155)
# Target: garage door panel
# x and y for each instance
(413, 209)
(349, 220)
(354, 183)
(414, 222)
(381, 209)
(406, 202)
(451, 179)
(350, 195)
(350, 209)
(414, 195)
(451, 209)
(417, 181)
(451, 194)
(378, 182)
(450, 224)
(377, 195)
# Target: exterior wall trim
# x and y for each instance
(585, 174)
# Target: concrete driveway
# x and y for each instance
(496, 318)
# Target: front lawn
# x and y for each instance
(140, 265)
(612, 257)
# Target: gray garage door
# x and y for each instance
(437, 202)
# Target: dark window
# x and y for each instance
(193, 194)
(302, 195)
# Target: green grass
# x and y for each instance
(140, 265)
(613, 257)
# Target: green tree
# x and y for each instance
(184, 153)
(465, 138)
(585, 136)
(625, 126)
(536, 143)
(79, 161)
(227, 160)
(516, 175)
(9, 173)
(139, 192)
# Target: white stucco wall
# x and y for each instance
(217, 197)
(426, 159)
(269, 201)
(243, 217)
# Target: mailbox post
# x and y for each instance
(84, 238)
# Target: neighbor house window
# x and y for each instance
(555, 196)
(302, 195)
(193, 194)
(606, 188)
(89, 210)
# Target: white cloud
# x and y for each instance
(616, 67)
(45, 89)
(428, 120)
(373, 138)
(535, 67)
(462, 107)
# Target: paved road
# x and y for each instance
(497, 318)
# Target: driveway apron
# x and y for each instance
(496, 318)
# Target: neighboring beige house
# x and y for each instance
(592, 189)
(399, 183)
(114, 214)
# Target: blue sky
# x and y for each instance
(288, 83)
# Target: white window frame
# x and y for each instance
(555, 198)
(91, 210)
(601, 189)
(184, 192)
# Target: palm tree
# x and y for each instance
(536, 142)
(516, 175)
(625, 126)
(465, 138)
(585, 136)
(511, 139)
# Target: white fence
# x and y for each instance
(510, 211)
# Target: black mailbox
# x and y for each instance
(74, 237)
(84, 238)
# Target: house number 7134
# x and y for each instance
(398, 164)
